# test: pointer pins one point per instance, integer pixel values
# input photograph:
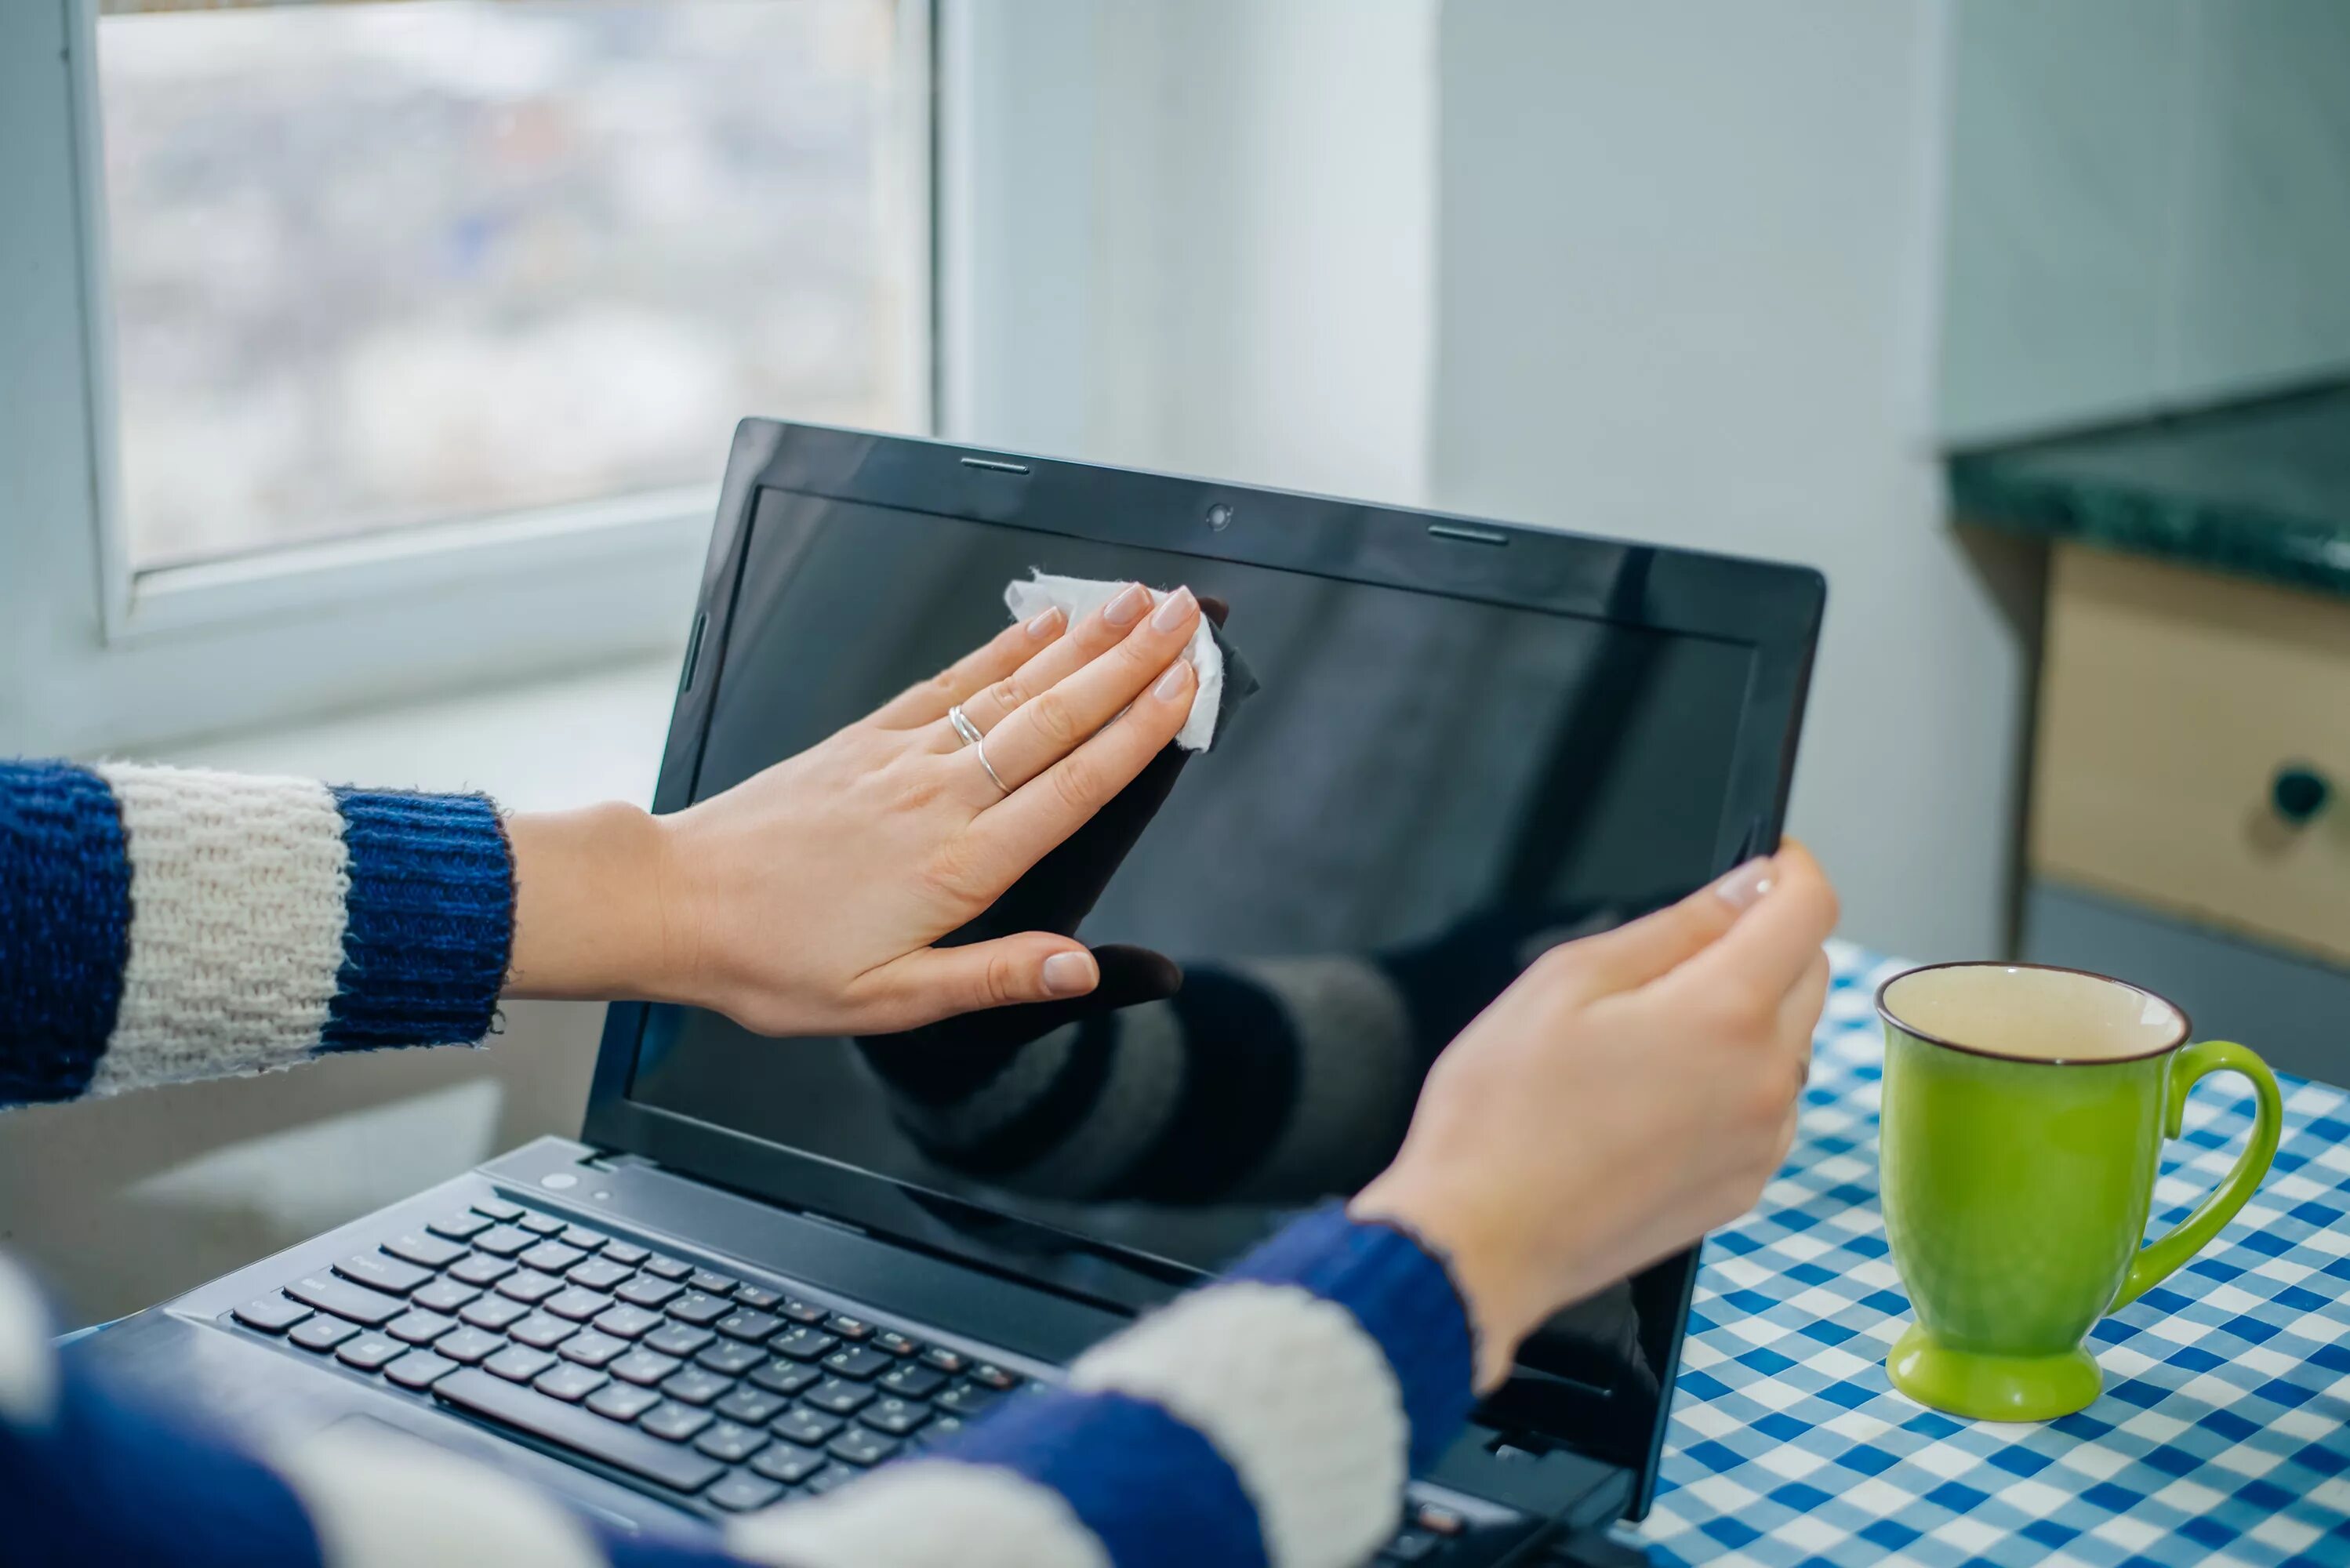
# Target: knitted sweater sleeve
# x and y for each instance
(1268, 1420)
(163, 924)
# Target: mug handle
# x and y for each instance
(2158, 1258)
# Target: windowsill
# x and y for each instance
(532, 747)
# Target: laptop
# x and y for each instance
(764, 1267)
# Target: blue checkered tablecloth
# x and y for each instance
(2221, 1435)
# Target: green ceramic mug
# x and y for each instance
(2024, 1110)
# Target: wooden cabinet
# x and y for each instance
(2172, 701)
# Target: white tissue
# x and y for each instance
(1078, 597)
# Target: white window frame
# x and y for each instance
(98, 658)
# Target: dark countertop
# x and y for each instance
(2261, 488)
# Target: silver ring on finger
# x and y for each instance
(966, 729)
(978, 749)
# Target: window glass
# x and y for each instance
(407, 261)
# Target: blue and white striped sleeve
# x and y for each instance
(162, 924)
(1266, 1421)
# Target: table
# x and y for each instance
(2221, 1435)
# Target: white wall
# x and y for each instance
(2149, 206)
(1667, 270)
(1687, 285)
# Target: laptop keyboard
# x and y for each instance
(715, 1393)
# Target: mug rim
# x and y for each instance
(2185, 1024)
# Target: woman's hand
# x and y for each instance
(806, 899)
(1629, 1093)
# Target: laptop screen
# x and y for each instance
(1422, 794)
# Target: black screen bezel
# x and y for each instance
(1774, 609)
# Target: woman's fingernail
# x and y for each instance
(1744, 885)
(1047, 622)
(1174, 683)
(1174, 611)
(1128, 607)
(1069, 974)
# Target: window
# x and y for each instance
(357, 350)
(390, 263)
(405, 262)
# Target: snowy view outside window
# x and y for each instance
(406, 261)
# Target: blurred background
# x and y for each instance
(366, 370)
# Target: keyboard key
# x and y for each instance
(699, 1308)
(860, 1447)
(785, 1376)
(272, 1313)
(369, 1309)
(675, 1423)
(667, 1267)
(619, 1402)
(598, 1275)
(696, 1386)
(627, 1252)
(645, 1290)
(480, 1269)
(940, 1428)
(829, 1479)
(835, 1397)
(677, 1339)
(552, 1257)
(945, 1360)
(716, 1283)
(322, 1334)
(748, 1324)
(425, 1250)
(895, 1417)
(913, 1380)
(576, 1305)
(541, 1332)
(499, 1208)
(730, 1441)
(459, 1227)
(787, 1463)
(741, 1494)
(628, 1322)
(849, 1327)
(467, 1346)
(370, 1352)
(592, 1349)
(751, 1407)
(443, 1295)
(420, 1369)
(494, 1312)
(729, 1359)
(757, 1296)
(379, 1273)
(803, 1344)
(644, 1366)
(964, 1399)
(567, 1426)
(518, 1364)
(857, 1361)
(584, 1239)
(807, 1427)
(987, 1375)
(542, 1224)
(896, 1343)
(569, 1383)
(418, 1327)
(505, 1241)
(529, 1286)
(799, 1311)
